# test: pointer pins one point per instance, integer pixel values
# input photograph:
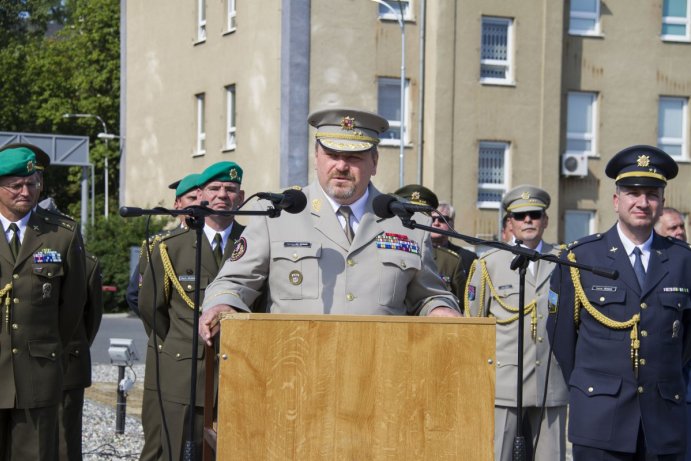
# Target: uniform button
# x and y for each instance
(644, 306)
(350, 297)
(590, 389)
(15, 300)
(640, 389)
(15, 326)
(52, 354)
(540, 316)
(351, 263)
(537, 363)
(76, 352)
(539, 339)
(50, 274)
(498, 363)
(602, 298)
(160, 346)
(644, 333)
(177, 355)
(15, 276)
(189, 287)
(642, 362)
(15, 350)
(676, 396)
(295, 256)
(403, 265)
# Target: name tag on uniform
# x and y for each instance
(505, 287)
(604, 288)
(186, 278)
(297, 244)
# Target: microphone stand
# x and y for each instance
(195, 220)
(520, 262)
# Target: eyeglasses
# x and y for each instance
(17, 187)
(521, 216)
(441, 218)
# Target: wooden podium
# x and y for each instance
(308, 387)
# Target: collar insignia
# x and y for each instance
(613, 250)
(643, 160)
(316, 205)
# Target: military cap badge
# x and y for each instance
(525, 195)
(233, 173)
(643, 160)
(30, 166)
(347, 123)
(415, 196)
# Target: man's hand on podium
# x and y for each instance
(210, 322)
(443, 311)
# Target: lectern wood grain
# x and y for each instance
(355, 388)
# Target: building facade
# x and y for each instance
(496, 94)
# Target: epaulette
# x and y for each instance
(491, 251)
(58, 213)
(678, 242)
(449, 251)
(584, 240)
(295, 187)
(56, 219)
(92, 257)
(165, 235)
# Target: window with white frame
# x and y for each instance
(201, 125)
(493, 173)
(581, 132)
(578, 224)
(389, 107)
(230, 117)
(405, 5)
(231, 15)
(496, 52)
(672, 135)
(676, 18)
(584, 17)
(201, 20)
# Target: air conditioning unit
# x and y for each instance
(573, 164)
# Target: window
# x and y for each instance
(201, 20)
(672, 136)
(584, 17)
(578, 224)
(580, 123)
(230, 117)
(389, 107)
(232, 13)
(492, 177)
(496, 51)
(386, 13)
(201, 126)
(675, 20)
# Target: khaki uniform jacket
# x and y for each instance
(536, 349)
(48, 295)
(307, 266)
(174, 316)
(77, 372)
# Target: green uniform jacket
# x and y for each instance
(48, 295)
(77, 353)
(174, 316)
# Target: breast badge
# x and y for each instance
(295, 277)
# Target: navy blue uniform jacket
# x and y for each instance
(607, 402)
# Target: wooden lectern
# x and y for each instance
(308, 387)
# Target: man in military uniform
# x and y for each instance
(335, 256)
(173, 264)
(453, 262)
(671, 224)
(622, 342)
(493, 290)
(42, 280)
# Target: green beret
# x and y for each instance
(525, 198)
(419, 195)
(186, 184)
(42, 158)
(348, 130)
(221, 171)
(19, 161)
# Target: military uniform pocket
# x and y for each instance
(295, 271)
(46, 283)
(398, 269)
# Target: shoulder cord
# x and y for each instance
(5, 292)
(580, 300)
(170, 277)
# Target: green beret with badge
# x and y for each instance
(186, 184)
(419, 195)
(19, 161)
(42, 158)
(525, 198)
(221, 171)
(347, 130)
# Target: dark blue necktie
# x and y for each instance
(638, 267)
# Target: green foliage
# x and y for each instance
(110, 240)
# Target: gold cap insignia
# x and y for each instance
(415, 196)
(233, 174)
(30, 165)
(525, 195)
(643, 160)
(347, 123)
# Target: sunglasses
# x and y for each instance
(521, 216)
(442, 218)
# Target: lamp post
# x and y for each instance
(401, 23)
(105, 157)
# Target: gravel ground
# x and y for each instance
(99, 440)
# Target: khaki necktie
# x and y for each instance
(346, 212)
(14, 240)
(218, 248)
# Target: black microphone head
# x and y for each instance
(382, 205)
(130, 212)
(296, 199)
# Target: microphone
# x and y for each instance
(387, 206)
(290, 200)
(132, 212)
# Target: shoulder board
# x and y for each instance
(295, 187)
(584, 240)
(171, 233)
(56, 213)
(678, 242)
(92, 257)
(56, 219)
(489, 252)
(447, 250)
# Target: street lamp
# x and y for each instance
(401, 23)
(106, 137)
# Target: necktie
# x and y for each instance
(14, 240)
(346, 212)
(218, 248)
(638, 267)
